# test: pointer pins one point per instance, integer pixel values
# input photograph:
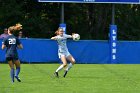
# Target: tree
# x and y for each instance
(91, 21)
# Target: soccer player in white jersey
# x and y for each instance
(63, 52)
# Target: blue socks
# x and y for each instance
(12, 74)
(17, 71)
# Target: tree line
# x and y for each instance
(91, 21)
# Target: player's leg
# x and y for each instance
(12, 72)
(63, 59)
(72, 62)
(17, 63)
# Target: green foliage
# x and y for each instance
(128, 21)
(91, 21)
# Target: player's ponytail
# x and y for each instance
(15, 28)
(57, 32)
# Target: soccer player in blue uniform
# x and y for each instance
(63, 52)
(11, 43)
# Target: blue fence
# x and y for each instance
(84, 51)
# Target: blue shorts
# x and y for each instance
(11, 58)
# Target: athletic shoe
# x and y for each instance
(13, 81)
(18, 79)
(65, 74)
(56, 74)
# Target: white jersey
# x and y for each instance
(62, 43)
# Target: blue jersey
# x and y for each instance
(11, 43)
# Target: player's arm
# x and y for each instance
(70, 36)
(3, 47)
(54, 38)
(3, 44)
(20, 46)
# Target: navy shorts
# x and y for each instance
(11, 58)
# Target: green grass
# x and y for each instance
(82, 78)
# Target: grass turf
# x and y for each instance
(82, 78)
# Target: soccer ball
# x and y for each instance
(76, 37)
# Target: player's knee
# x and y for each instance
(17, 67)
(12, 68)
(64, 65)
(73, 61)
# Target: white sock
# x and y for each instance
(59, 68)
(69, 67)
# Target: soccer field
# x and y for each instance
(82, 78)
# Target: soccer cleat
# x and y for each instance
(18, 79)
(65, 74)
(56, 74)
(13, 81)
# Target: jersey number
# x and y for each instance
(12, 41)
